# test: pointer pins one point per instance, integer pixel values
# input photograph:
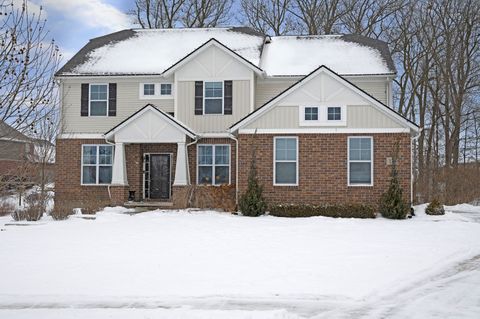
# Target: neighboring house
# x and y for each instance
(155, 111)
(19, 153)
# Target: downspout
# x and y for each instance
(236, 166)
(108, 186)
(195, 140)
(411, 163)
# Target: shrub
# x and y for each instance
(34, 207)
(392, 204)
(252, 202)
(18, 214)
(6, 208)
(304, 210)
(435, 208)
(61, 211)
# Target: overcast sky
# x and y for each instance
(73, 22)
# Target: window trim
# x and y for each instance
(143, 89)
(213, 165)
(160, 89)
(297, 162)
(157, 95)
(371, 161)
(216, 98)
(90, 99)
(97, 165)
(341, 114)
(322, 115)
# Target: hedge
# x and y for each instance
(303, 210)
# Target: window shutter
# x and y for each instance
(227, 97)
(198, 97)
(84, 100)
(112, 99)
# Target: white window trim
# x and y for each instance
(97, 165)
(143, 89)
(157, 90)
(160, 89)
(286, 161)
(216, 98)
(90, 99)
(322, 116)
(360, 161)
(213, 165)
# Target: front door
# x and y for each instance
(159, 176)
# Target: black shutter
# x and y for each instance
(84, 100)
(112, 99)
(198, 97)
(227, 97)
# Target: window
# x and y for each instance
(165, 89)
(98, 99)
(311, 114)
(334, 113)
(286, 161)
(213, 98)
(213, 164)
(149, 89)
(97, 161)
(360, 153)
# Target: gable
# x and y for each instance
(213, 63)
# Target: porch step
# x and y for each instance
(149, 204)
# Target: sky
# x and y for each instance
(73, 22)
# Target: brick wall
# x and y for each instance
(323, 168)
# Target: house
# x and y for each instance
(148, 114)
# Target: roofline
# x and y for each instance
(238, 124)
(211, 41)
(188, 131)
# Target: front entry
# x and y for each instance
(160, 178)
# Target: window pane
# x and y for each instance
(311, 114)
(98, 108)
(334, 113)
(205, 154)
(365, 143)
(213, 89)
(89, 175)
(221, 154)
(286, 149)
(285, 173)
(89, 155)
(149, 89)
(360, 173)
(205, 175)
(213, 106)
(365, 155)
(105, 154)
(98, 92)
(165, 89)
(360, 149)
(221, 175)
(105, 174)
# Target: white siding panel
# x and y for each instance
(377, 89)
(266, 90)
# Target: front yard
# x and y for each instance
(204, 264)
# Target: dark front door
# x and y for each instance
(159, 176)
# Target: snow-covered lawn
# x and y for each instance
(211, 265)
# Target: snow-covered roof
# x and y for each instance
(152, 51)
(300, 55)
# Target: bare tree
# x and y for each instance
(272, 17)
(28, 61)
(150, 14)
(319, 16)
(206, 13)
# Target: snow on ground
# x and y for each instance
(212, 265)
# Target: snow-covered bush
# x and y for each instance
(304, 210)
(6, 208)
(435, 208)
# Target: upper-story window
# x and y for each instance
(322, 115)
(334, 113)
(213, 98)
(311, 113)
(149, 89)
(166, 89)
(98, 99)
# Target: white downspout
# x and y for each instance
(108, 186)
(411, 163)
(236, 167)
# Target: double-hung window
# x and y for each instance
(213, 164)
(213, 98)
(97, 161)
(286, 161)
(98, 99)
(360, 164)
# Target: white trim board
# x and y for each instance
(324, 131)
(66, 136)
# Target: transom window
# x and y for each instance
(98, 99)
(286, 161)
(165, 89)
(360, 153)
(334, 113)
(311, 113)
(213, 98)
(213, 164)
(97, 161)
(149, 89)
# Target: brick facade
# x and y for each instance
(323, 168)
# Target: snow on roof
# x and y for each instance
(154, 51)
(300, 55)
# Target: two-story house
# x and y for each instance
(156, 111)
